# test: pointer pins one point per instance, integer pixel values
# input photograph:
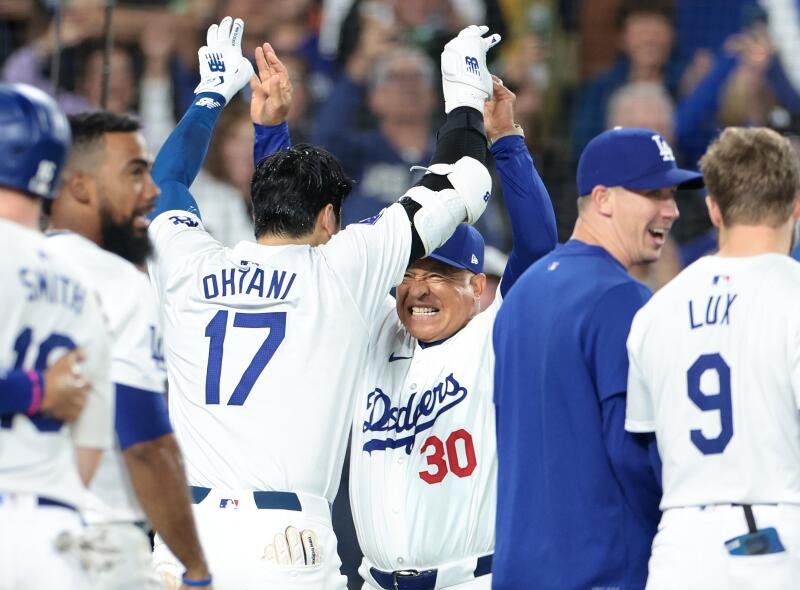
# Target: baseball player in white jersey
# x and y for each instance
(99, 220)
(423, 462)
(715, 374)
(44, 463)
(266, 342)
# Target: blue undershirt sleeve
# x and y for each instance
(182, 155)
(16, 392)
(141, 415)
(533, 221)
(270, 139)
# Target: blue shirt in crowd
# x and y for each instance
(577, 495)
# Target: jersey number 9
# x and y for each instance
(719, 401)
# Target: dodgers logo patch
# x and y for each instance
(416, 416)
(473, 67)
(183, 219)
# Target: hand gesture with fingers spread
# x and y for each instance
(272, 89)
(498, 113)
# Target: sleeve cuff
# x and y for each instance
(517, 131)
(640, 426)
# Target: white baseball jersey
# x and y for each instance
(136, 356)
(423, 462)
(715, 373)
(47, 310)
(266, 346)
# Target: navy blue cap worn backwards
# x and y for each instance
(634, 159)
(464, 249)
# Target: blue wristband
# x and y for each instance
(205, 583)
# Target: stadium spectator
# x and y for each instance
(646, 43)
(398, 84)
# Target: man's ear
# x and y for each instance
(79, 187)
(602, 198)
(478, 283)
(796, 208)
(713, 211)
(327, 224)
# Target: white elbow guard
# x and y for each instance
(441, 211)
(471, 181)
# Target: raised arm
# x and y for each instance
(270, 103)
(223, 72)
(533, 221)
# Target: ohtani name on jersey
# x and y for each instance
(53, 288)
(417, 415)
(248, 280)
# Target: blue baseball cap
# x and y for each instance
(632, 158)
(464, 249)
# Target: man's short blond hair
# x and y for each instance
(753, 175)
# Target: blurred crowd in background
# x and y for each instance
(366, 85)
(366, 80)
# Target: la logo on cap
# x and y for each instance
(663, 148)
(474, 259)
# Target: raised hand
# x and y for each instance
(465, 78)
(272, 88)
(223, 69)
(498, 113)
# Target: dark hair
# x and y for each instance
(88, 128)
(292, 186)
(629, 8)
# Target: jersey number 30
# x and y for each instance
(215, 332)
(708, 402)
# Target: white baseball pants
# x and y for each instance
(38, 545)
(234, 534)
(689, 550)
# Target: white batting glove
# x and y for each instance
(223, 69)
(466, 80)
(294, 548)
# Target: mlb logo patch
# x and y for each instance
(230, 503)
(721, 280)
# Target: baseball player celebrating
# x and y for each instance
(266, 342)
(44, 464)
(577, 497)
(423, 462)
(99, 220)
(715, 373)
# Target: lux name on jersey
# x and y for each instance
(248, 279)
(716, 310)
(52, 288)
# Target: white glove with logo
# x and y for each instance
(223, 69)
(294, 548)
(466, 80)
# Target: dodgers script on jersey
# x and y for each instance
(47, 311)
(724, 403)
(137, 361)
(276, 337)
(424, 453)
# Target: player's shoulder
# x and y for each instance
(89, 255)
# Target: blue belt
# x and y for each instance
(264, 500)
(421, 580)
